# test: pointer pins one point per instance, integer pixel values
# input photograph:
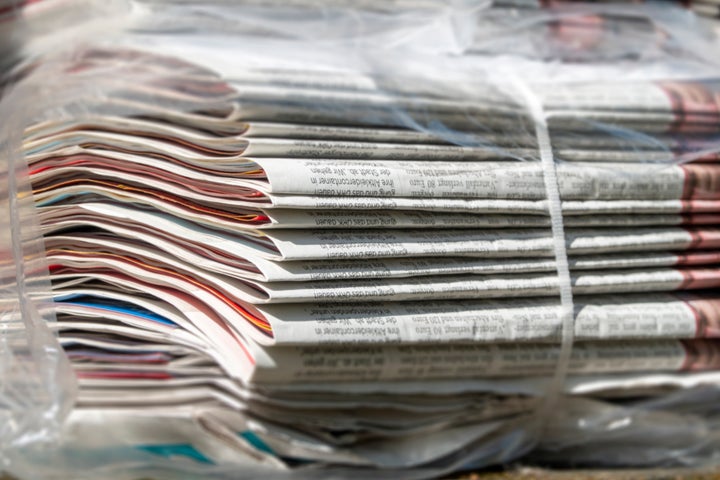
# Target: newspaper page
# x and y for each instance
(169, 251)
(513, 180)
(624, 315)
(324, 244)
(386, 363)
(413, 288)
(316, 363)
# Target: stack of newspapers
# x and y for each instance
(300, 254)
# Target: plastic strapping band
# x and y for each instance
(547, 161)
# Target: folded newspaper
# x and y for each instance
(271, 250)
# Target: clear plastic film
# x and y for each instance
(625, 92)
(37, 381)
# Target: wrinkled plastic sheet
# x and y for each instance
(467, 50)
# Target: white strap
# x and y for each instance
(552, 191)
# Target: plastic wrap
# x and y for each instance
(37, 381)
(432, 68)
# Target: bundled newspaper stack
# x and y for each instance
(309, 257)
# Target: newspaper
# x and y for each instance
(246, 133)
(210, 435)
(323, 244)
(372, 363)
(353, 98)
(619, 316)
(186, 277)
(105, 191)
(271, 139)
(142, 372)
(206, 439)
(243, 176)
(442, 361)
(695, 212)
(643, 106)
(165, 249)
(316, 418)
